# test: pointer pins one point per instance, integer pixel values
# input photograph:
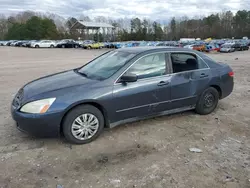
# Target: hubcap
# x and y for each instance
(208, 100)
(85, 126)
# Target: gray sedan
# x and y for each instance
(121, 86)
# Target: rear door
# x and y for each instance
(142, 97)
(190, 75)
(46, 44)
(43, 44)
(200, 77)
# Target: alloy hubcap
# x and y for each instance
(208, 100)
(85, 126)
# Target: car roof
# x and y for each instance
(138, 50)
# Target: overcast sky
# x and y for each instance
(153, 9)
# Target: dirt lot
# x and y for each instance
(152, 153)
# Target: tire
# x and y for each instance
(88, 47)
(204, 106)
(36, 46)
(76, 46)
(63, 46)
(52, 46)
(76, 113)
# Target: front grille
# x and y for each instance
(18, 99)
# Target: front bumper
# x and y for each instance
(41, 125)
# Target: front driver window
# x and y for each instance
(149, 66)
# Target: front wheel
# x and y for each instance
(83, 124)
(208, 101)
(52, 46)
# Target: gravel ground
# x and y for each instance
(152, 153)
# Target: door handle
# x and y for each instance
(203, 75)
(162, 83)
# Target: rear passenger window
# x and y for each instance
(186, 62)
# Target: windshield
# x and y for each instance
(106, 65)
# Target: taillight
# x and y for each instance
(231, 73)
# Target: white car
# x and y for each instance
(189, 46)
(3, 43)
(43, 44)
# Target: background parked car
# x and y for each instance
(28, 43)
(245, 46)
(9, 42)
(68, 44)
(13, 43)
(20, 43)
(109, 45)
(199, 47)
(43, 44)
(189, 46)
(227, 48)
(96, 45)
(2, 43)
(241, 46)
(24, 44)
(238, 47)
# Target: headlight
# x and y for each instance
(38, 107)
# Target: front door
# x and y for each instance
(141, 98)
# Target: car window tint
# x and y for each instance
(201, 63)
(149, 66)
(184, 62)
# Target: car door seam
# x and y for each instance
(153, 104)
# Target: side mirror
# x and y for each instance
(128, 77)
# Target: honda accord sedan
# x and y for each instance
(118, 87)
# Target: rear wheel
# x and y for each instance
(208, 101)
(63, 46)
(52, 46)
(83, 124)
(37, 46)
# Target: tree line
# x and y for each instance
(32, 25)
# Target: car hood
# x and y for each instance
(55, 82)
